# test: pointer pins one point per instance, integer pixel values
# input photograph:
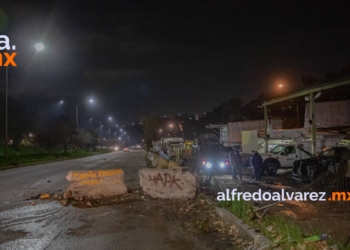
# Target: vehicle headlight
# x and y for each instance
(116, 148)
(208, 165)
(222, 164)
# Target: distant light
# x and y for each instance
(171, 125)
(90, 119)
(61, 102)
(30, 135)
(280, 85)
(121, 129)
(39, 47)
(91, 100)
(109, 118)
(160, 130)
(116, 125)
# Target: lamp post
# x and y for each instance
(77, 112)
(38, 47)
(6, 107)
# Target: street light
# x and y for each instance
(39, 47)
(77, 111)
(280, 85)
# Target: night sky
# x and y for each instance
(170, 57)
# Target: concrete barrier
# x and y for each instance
(95, 183)
(169, 183)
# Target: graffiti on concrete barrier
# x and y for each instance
(165, 179)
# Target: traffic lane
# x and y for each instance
(134, 225)
(123, 227)
(22, 183)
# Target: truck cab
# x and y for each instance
(283, 155)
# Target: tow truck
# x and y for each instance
(285, 147)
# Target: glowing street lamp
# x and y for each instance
(39, 47)
(280, 85)
(77, 111)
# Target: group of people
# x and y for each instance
(236, 160)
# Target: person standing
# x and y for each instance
(257, 163)
(236, 163)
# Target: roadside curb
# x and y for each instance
(44, 162)
(244, 230)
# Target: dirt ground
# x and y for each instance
(330, 218)
(196, 218)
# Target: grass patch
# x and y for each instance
(274, 227)
(16, 160)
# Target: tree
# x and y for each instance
(65, 129)
(55, 132)
(84, 138)
(150, 129)
(308, 80)
(228, 111)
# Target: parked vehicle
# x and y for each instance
(283, 156)
(335, 160)
(209, 156)
(126, 149)
(284, 148)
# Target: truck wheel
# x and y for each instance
(271, 168)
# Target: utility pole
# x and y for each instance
(6, 112)
(313, 122)
(77, 115)
(298, 125)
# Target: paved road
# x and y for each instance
(21, 183)
(48, 225)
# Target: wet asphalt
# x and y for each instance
(49, 225)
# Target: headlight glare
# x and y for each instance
(208, 165)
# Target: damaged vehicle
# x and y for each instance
(333, 160)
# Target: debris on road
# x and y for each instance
(67, 194)
(35, 197)
(44, 196)
(64, 202)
